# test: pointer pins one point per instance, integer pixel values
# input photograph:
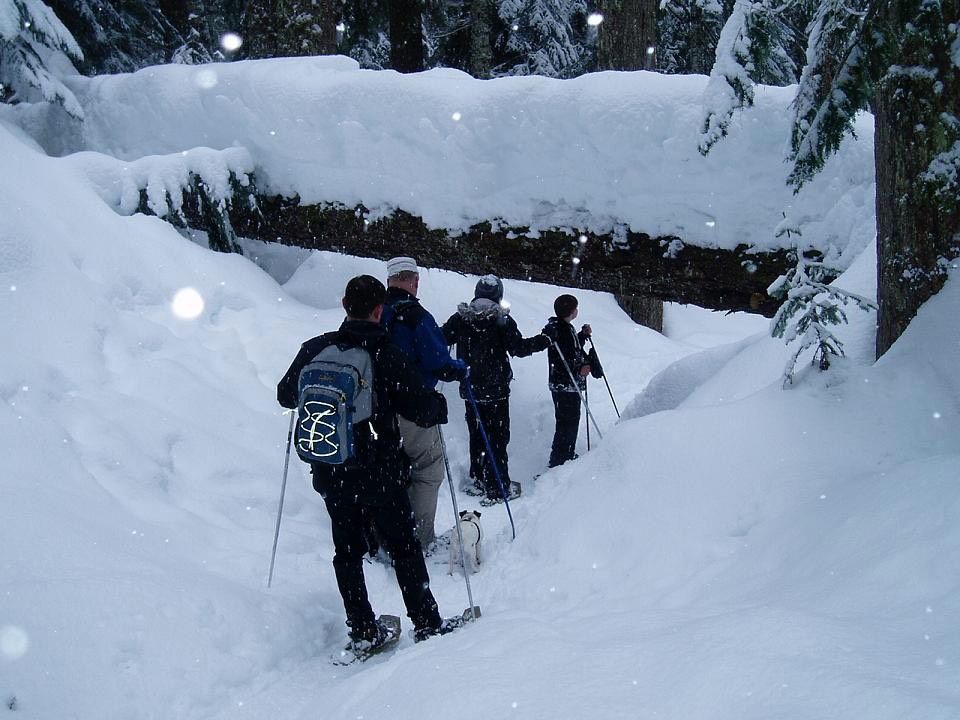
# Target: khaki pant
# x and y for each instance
(422, 446)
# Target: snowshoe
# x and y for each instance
(513, 492)
(474, 489)
(387, 634)
(447, 625)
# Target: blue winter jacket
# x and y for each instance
(415, 331)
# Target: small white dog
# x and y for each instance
(472, 535)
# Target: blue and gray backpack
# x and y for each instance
(336, 393)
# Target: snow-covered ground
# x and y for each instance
(729, 551)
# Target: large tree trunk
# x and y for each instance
(628, 35)
(628, 41)
(918, 218)
(481, 52)
(406, 35)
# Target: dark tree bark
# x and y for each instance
(481, 51)
(643, 310)
(406, 35)
(628, 31)
(633, 266)
(918, 218)
(627, 34)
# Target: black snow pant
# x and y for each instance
(394, 525)
(566, 410)
(495, 416)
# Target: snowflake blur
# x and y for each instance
(206, 78)
(14, 642)
(231, 42)
(187, 304)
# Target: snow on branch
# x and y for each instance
(162, 184)
(730, 86)
(30, 33)
(835, 85)
(751, 49)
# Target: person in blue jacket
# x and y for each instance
(414, 331)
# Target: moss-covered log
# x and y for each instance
(631, 264)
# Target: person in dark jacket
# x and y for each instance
(374, 483)
(485, 336)
(571, 359)
(415, 332)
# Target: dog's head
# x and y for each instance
(468, 515)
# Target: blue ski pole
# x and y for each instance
(493, 459)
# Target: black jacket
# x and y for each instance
(485, 334)
(571, 345)
(381, 468)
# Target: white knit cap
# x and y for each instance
(397, 265)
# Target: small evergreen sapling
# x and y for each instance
(810, 307)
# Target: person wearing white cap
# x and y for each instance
(415, 331)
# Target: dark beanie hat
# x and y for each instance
(564, 305)
(490, 287)
(363, 294)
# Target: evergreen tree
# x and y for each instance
(31, 39)
(119, 35)
(815, 305)
(366, 35)
(900, 58)
(753, 48)
(689, 31)
(542, 37)
(308, 27)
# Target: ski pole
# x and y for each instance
(283, 489)
(493, 459)
(456, 520)
(605, 382)
(587, 419)
(577, 388)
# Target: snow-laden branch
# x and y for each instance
(29, 33)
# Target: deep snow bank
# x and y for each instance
(595, 152)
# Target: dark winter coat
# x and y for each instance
(485, 335)
(415, 332)
(381, 468)
(571, 345)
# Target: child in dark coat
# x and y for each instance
(566, 357)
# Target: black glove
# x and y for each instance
(441, 408)
(594, 362)
(461, 373)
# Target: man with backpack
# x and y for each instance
(485, 336)
(415, 332)
(567, 378)
(351, 386)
